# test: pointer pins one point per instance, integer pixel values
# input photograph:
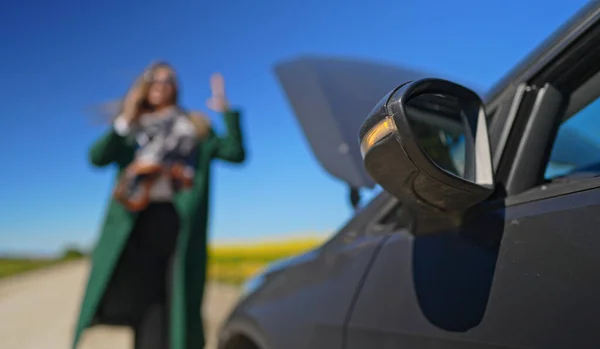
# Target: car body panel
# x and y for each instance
(447, 292)
(302, 290)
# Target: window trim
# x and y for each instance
(567, 72)
(538, 128)
(552, 190)
(500, 132)
(503, 96)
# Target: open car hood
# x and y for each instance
(331, 97)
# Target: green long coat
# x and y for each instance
(186, 329)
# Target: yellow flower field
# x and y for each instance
(234, 263)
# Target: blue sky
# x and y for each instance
(61, 57)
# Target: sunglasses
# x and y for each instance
(164, 81)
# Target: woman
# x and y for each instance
(149, 266)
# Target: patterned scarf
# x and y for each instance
(167, 146)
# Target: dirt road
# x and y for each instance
(38, 311)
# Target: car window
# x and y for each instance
(577, 145)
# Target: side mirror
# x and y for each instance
(426, 143)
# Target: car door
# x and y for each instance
(524, 271)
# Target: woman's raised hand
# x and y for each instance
(218, 101)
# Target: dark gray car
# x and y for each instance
(464, 258)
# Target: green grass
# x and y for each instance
(9, 266)
(13, 266)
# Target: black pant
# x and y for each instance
(157, 227)
(140, 289)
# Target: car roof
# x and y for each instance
(547, 51)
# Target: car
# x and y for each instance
(486, 230)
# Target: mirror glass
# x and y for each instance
(439, 124)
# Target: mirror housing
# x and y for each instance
(403, 161)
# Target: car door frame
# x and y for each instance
(517, 106)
